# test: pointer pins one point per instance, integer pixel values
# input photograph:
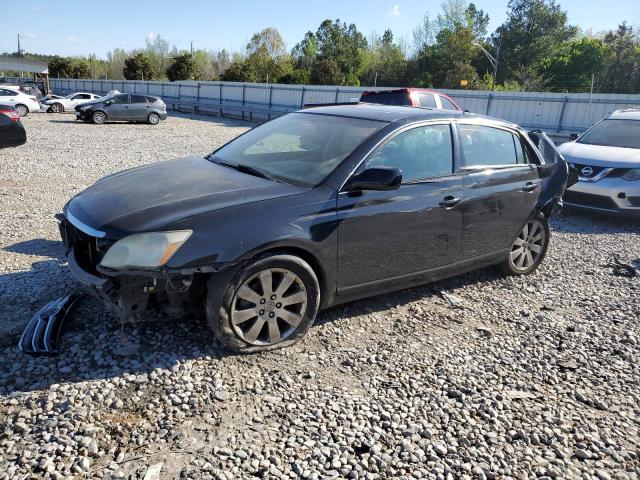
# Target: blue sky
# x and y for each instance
(80, 27)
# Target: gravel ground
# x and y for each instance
(480, 376)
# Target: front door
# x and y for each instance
(118, 108)
(390, 235)
(501, 187)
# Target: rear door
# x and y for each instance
(138, 107)
(501, 187)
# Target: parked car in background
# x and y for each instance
(411, 97)
(12, 132)
(312, 209)
(123, 107)
(607, 158)
(23, 103)
(69, 102)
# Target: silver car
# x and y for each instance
(607, 158)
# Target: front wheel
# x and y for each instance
(57, 108)
(22, 110)
(153, 118)
(99, 118)
(271, 303)
(529, 248)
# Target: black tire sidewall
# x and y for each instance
(510, 269)
(220, 321)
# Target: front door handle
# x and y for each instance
(449, 201)
(530, 186)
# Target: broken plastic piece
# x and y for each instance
(42, 334)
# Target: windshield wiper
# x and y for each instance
(246, 169)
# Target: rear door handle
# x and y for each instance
(530, 186)
(449, 201)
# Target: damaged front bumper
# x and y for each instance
(129, 292)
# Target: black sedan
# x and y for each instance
(12, 132)
(315, 208)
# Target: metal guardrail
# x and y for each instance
(557, 114)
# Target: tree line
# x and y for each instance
(536, 49)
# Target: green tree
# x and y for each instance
(572, 67)
(388, 65)
(533, 32)
(621, 66)
(182, 68)
(326, 72)
(266, 56)
(159, 53)
(138, 67)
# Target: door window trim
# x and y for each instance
(405, 128)
(488, 166)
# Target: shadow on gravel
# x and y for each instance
(576, 221)
(38, 246)
(95, 346)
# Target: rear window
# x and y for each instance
(387, 98)
(427, 100)
(447, 104)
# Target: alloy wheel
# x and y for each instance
(22, 110)
(99, 117)
(529, 246)
(154, 119)
(269, 306)
(57, 108)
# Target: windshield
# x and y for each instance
(613, 133)
(298, 148)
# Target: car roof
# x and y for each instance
(4, 106)
(626, 114)
(396, 113)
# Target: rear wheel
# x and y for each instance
(270, 304)
(153, 118)
(529, 248)
(57, 108)
(22, 110)
(99, 117)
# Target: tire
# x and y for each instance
(99, 117)
(245, 326)
(22, 110)
(529, 248)
(153, 119)
(57, 108)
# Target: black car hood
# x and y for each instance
(153, 196)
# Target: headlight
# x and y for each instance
(633, 174)
(145, 250)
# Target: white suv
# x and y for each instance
(23, 103)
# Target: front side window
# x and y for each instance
(420, 153)
(298, 148)
(623, 133)
(120, 99)
(5, 92)
(482, 145)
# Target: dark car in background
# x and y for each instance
(411, 97)
(313, 209)
(12, 132)
(123, 107)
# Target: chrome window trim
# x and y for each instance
(84, 227)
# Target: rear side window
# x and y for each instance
(482, 145)
(427, 100)
(151, 99)
(387, 98)
(420, 153)
(447, 104)
(138, 99)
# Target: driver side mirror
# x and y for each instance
(108, 103)
(375, 178)
(573, 137)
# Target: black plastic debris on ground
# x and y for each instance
(42, 334)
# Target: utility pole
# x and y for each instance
(19, 52)
(192, 50)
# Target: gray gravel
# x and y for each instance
(480, 376)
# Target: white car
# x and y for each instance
(70, 102)
(23, 103)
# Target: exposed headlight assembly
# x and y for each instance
(633, 174)
(144, 250)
